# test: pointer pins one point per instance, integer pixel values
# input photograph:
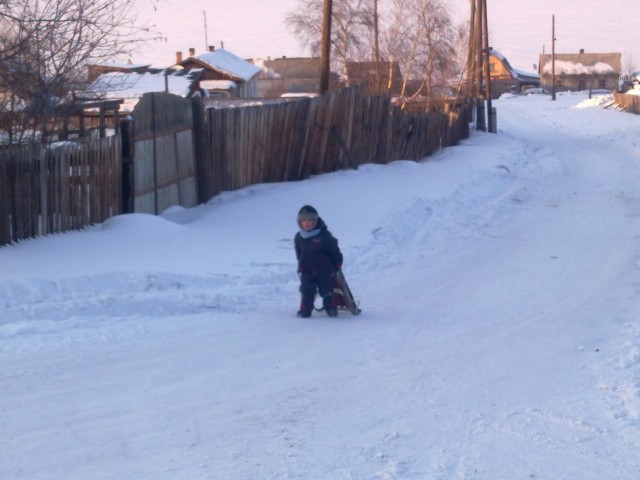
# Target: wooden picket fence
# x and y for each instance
(56, 189)
(293, 140)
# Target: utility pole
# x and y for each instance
(553, 57)
(471, 54)
(478, 71)
(487, 52)
(481, 119)
(326, 47)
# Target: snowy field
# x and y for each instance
(499, 339)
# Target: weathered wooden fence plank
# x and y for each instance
(50, 190)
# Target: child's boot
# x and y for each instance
(329, 303)
(306, 305)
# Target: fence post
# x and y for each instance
(494, 121)
(200, 139)
(42, 221)
(127, 167)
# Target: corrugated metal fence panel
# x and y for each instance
(144, 177)
(164, 153)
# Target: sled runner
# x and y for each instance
(342, 292)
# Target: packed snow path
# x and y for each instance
(499, 337)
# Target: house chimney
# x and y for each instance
(582, 51)
(212, 48)
(192, 52)
(178, 57)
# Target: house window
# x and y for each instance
(602, 83)
(581, 85)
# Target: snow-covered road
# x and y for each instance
(499, 338)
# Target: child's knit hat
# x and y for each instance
(308, 213)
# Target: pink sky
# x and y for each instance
(521, 31)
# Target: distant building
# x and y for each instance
(232, 76)
(581, 71)
(505, 78)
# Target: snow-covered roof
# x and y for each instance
(122, 65)
(289, 67)
(582, 63)
(226, 62)
(298, 95)
(218, 84)
(570, 68)
(131, 86)
(519, 74)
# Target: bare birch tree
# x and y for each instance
(421, 36)
(350, 28)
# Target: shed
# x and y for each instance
(221, 64)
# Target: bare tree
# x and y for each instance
(45, 46)
(352, 22)
(397, 32)
(421, 35)
(630, 65)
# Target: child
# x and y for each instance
(319, 257)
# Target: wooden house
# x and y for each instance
(375, 77)
(224, 74)
(285, 76)
(580, 71)
(505, 78)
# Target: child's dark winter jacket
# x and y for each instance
(318, 253)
